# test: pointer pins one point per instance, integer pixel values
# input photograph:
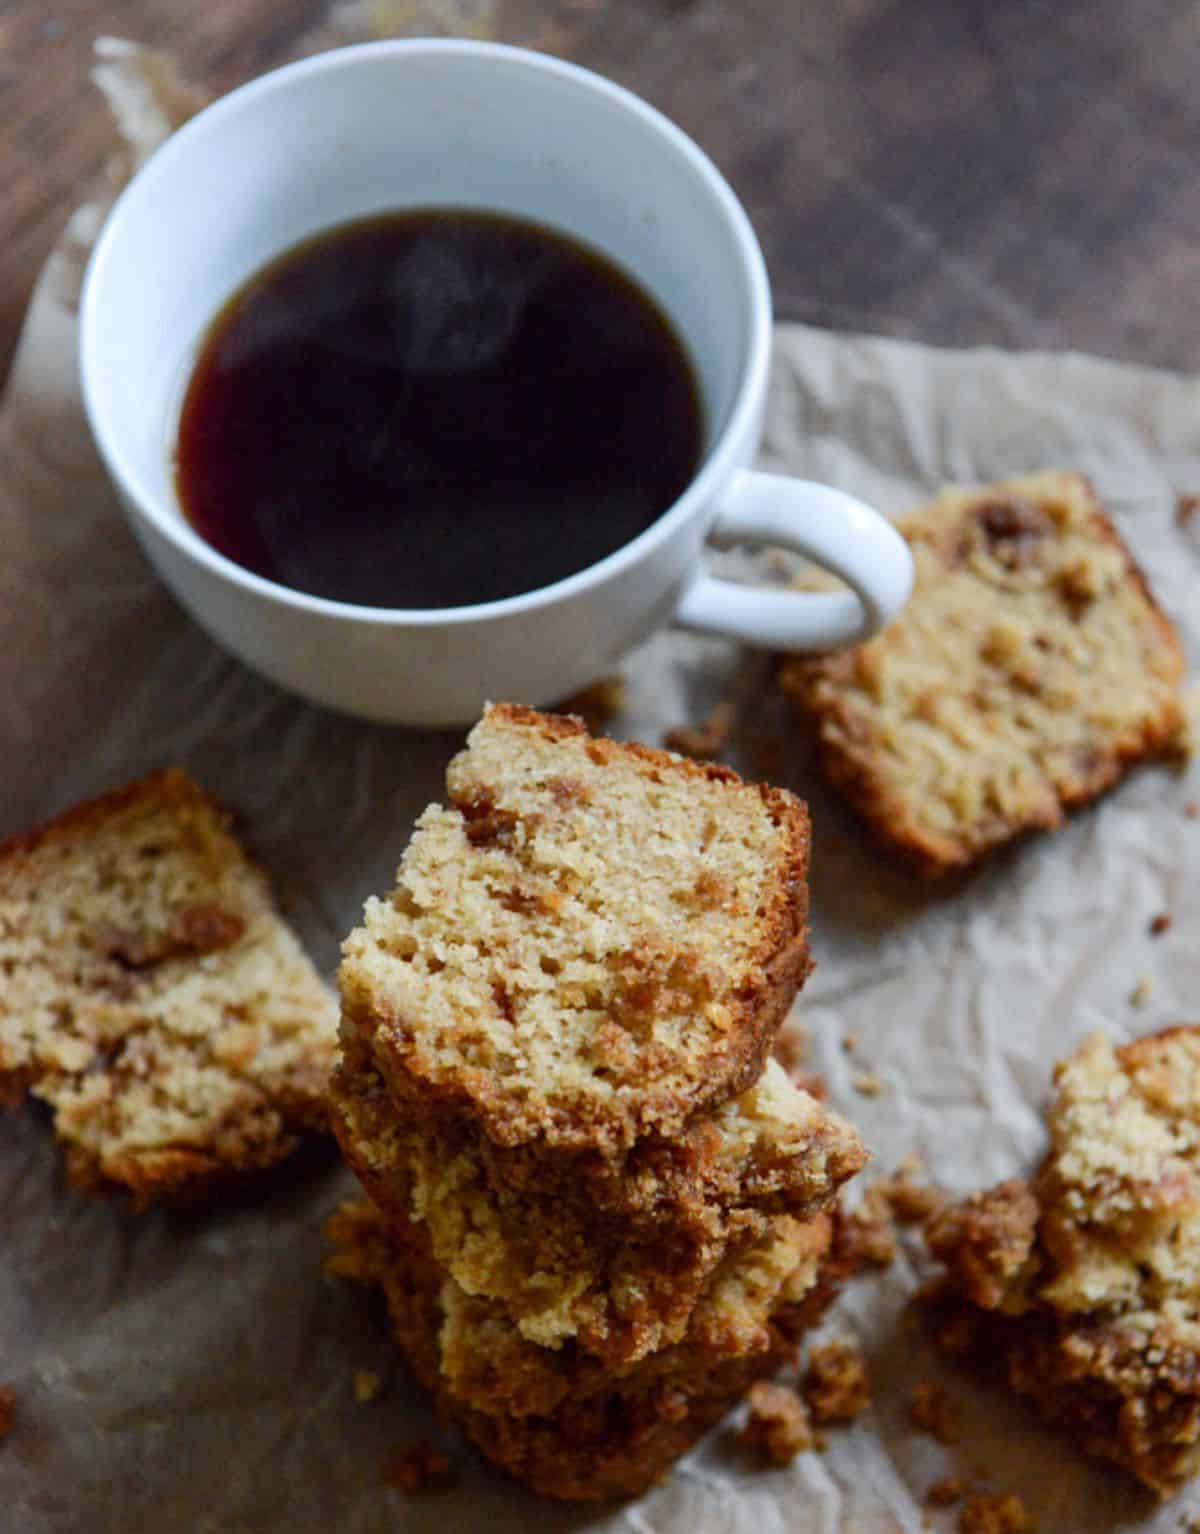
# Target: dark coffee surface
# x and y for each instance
(435, 408)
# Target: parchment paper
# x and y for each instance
(195, 1373)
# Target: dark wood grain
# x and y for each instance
(1021, 174)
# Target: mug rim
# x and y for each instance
(718, 465)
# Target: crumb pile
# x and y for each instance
(153, 997)
(1029, 670)
(1084, 1284)
(597, 1210)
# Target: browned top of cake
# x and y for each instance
(1030, 666)
(591, 942)
(152, 995)
(614, 1263)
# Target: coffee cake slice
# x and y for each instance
(565, 1425)
(591, 943)
(1030, 669)
(615, 1259)
(1085, 1284)
(153, 997)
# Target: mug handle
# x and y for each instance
(832, 529)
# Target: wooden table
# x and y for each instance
(1021, 173)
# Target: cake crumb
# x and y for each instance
(836, 1385)
(366, 1386)
(931, 1409)
(850, 1042)
(418, 1467)
(778, 1427)
(155, 999)
(985, 1513)
(1186, 507)
(867, 1235)
(910, 1202)
(1191, 810)
(706, 739)
(867, 1084)
(1140, 994)
(8, 1410)
(1160, 924)
(946, 1492)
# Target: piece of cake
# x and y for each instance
(599, 1209)
(591, 943)
(1084, 1285)
(561, 1423)
(153, 997)
(616, 1262)
(1030, 669)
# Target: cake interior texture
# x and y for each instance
(1085, 1283)
(593, 941)
(1030, 668)
(153, 997)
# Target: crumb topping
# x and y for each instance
(837, 1387)
(932, 1410)
(989, 1513)
(777, 1427)
(1085, 1284)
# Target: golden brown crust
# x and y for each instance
(591, 1436)
(641, 1070)
(774, 1148)
(170, 788)
(974, 718)
(1084, 1287)
(615, 1256)
(154, 998)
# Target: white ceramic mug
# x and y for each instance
(470, 125)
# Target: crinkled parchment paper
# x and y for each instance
(195, 1372)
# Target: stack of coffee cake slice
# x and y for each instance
(597, 1208)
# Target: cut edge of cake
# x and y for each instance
(531, 903)
(154, 998)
